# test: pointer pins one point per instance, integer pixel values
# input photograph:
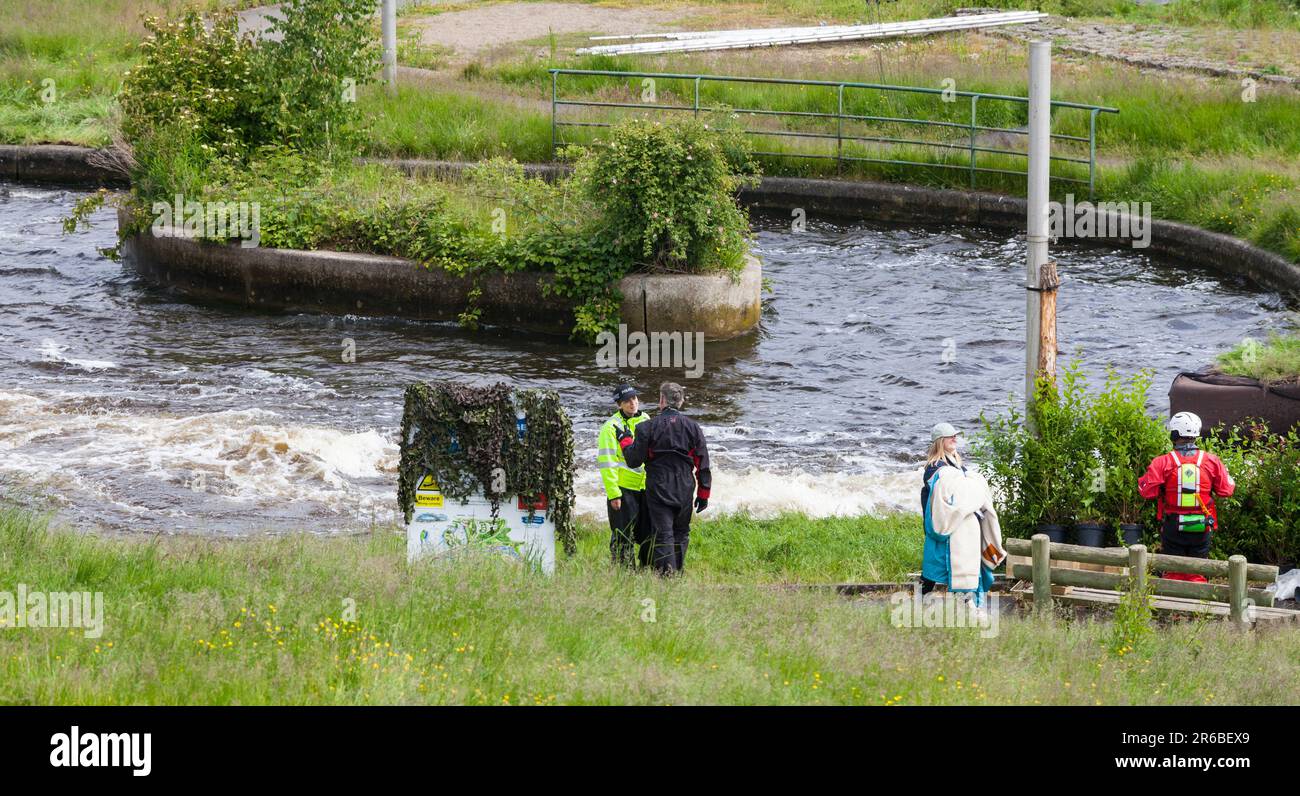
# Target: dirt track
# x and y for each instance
(477, 30)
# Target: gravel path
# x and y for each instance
(477, 30)
(1266, 55)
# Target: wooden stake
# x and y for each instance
(1048, 282)
(1042, 569)
(1237, 591)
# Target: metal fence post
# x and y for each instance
(554, 77)
(1092, 151)
(839, 131)
(881, 141)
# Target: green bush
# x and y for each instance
(1086, 441)
(1128, 441)
(196, 77)
(1084, 459)
(1261, 520)
(308, 79)
(233, 94)
(666, 195)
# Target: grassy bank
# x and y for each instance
(265, 621)
(1275, 360)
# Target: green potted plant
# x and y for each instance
(1128, 441)
(1048, 453)
(1089, 488)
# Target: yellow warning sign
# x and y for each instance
(427, 494)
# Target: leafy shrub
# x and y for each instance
(199, 78)
(1051, 476)
(1261, 520)
(327, 48)
(232, 94)
(1084, 460)
(666, 194)
(1128, 441)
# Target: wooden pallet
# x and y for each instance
(1179, 604)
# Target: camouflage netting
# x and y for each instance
(468, 439)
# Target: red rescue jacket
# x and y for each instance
(1163, 480)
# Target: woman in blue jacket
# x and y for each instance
(943, 453)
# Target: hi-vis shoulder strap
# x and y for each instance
(1189, 480)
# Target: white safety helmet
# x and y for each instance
(1185, 424)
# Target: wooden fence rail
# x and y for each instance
(1236, 593)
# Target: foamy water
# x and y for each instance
(129, 410)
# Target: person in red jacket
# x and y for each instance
(1185, 482)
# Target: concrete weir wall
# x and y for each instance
(340, 282)
(371, 284)
(59, 165)
(909, 204)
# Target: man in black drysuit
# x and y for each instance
(671, 445)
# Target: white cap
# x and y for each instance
(942, 430)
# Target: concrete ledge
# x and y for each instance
(716, 304)
(912, 204)
(932, 206)
(57, 164)
(287, 280)
(848, 199)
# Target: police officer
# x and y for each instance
(672, 446)
(1185, 481)
(629, 523)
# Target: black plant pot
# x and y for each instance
(1055, 533)
(1090, 534)
(1132, 533)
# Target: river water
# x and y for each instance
(125, 409)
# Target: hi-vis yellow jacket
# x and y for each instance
(614, 472)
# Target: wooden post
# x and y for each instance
(1042, 574)
(1237, 591)
(1048, 282)
(1137, 567)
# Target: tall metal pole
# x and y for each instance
(389, 28)
(1040, 152)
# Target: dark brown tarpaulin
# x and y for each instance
(1230, 400)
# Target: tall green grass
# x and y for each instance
(1274, 360)
(434, 124)
(311, 620)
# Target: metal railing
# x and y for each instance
(970, 130)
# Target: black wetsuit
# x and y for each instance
(671, 445)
